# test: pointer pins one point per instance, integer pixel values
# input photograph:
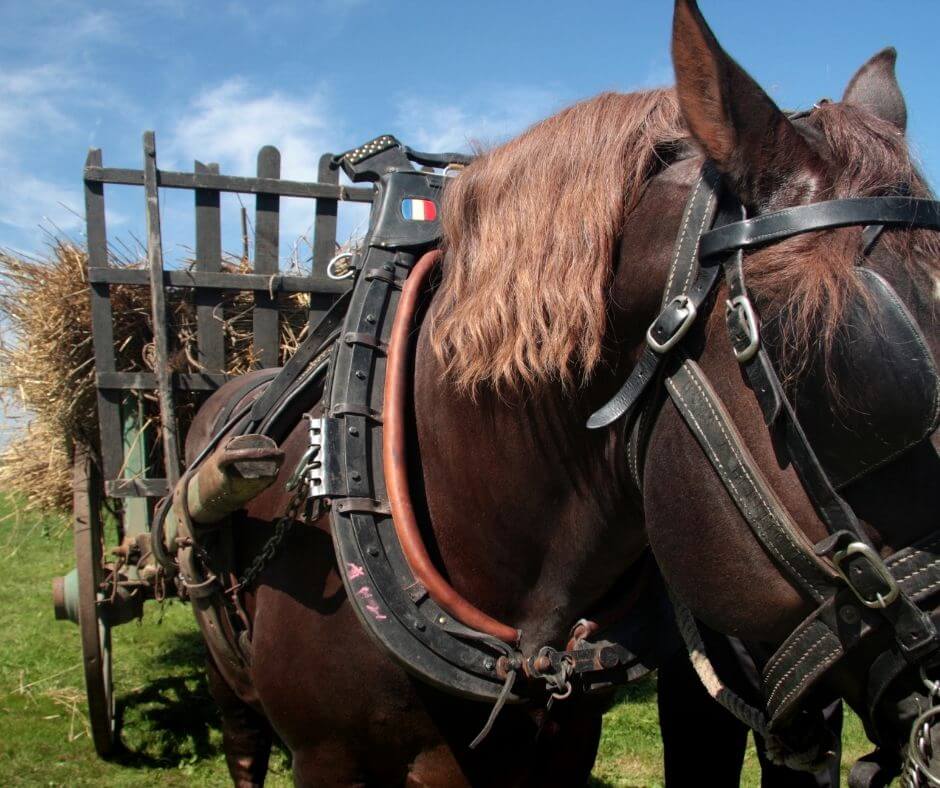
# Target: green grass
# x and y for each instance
(170, 729)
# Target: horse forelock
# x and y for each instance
(803, 284)
(530, 234)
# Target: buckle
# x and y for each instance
(680, 308)
(873, 560)
(743, 309)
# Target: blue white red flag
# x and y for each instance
(415, 210)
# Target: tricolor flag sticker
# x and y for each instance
(415, 210)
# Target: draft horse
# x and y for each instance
(772, 444)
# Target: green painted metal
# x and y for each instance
(137, 437)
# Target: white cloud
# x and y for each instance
(445, 126)
(38, 203)
(231, 122)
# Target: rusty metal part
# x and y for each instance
(237, 471)
(232, 475)
(394, 453)
(93, 622)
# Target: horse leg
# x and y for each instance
(246, 734)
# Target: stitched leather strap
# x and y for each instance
(711, 424)
(778, 225)
(685, 278)
(837, 625)
(778, 413)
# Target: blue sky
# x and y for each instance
(218, 80)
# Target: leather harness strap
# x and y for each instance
(856, 590)
(684, 295)
(828, 215)
(765, 514)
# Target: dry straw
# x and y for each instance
(47, 367)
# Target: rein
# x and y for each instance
(855, 590)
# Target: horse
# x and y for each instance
(558, 246)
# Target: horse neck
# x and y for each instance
(527, 511)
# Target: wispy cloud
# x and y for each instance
(484, 119)
(230, 122)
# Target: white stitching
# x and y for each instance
(688, 274)
(793, 667)
(748, 476)
(826, 662)
(772, 663)
(911, 556)
(918, 571)
(727, 476)
(685, 223)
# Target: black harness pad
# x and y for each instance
(886, 396)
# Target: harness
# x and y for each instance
(855, 591)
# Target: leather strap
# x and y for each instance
(771, 523)
(309, 349)
(779, 414)
(686, 278)
(776, 226)
(838, 624)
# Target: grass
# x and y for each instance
(170, 728)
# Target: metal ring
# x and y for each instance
(331, 267)
(449, 167)
(917, 764)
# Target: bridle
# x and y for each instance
(854, 589)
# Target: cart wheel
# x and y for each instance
(92, 616)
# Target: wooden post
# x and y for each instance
(169, 430)
(324, 239)
(109, 403)
(267, 242)
(209, 335)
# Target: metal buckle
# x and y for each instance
(741, 305)
(881, 601)
(683, 303)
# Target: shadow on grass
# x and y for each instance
(171, 719)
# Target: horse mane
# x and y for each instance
(531, 230)
(804, 283)
(530, 234)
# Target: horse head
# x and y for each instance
(750, 509)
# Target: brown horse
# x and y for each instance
(558, 248)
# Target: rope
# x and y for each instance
(754, 718)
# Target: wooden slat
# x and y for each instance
(136, 488)
(147, 381)
(324, 239)
(210, 339)
(223, 280)
(169, 429)
(109, 403)
(267, 243)
(168, 179)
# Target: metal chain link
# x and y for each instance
(281, 529)
(917, 772)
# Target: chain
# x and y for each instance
(281, 529)
(917, 772)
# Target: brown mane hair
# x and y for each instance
(531, 227)
(530, 233)
(803, 283)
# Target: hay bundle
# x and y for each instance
(47, 365)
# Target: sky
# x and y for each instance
(217, 80)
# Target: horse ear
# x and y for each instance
(736, 123)
(875, 87)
